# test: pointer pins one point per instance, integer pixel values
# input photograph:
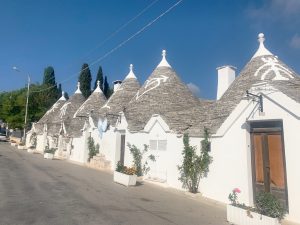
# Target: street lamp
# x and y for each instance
(26, 109)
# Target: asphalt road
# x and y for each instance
(35, 191)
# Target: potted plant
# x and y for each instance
(49, 153)
(125, 175)
(13, 143)
(21, 146)
(267, 210)
(142, 168)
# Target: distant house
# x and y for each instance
(79, 149)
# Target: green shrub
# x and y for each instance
(124, 169)
(268, 205)
(194, 166)
(33, 139)
(50, 150)
(137, 154)
(93, 149)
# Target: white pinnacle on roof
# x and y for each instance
(98, 89)
(62, 96)
(130, 74)
(164, 62)
(261, 49)
(78, 89)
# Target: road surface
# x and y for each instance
(35, 191)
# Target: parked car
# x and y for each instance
(3, 137)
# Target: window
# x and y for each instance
(158, 145)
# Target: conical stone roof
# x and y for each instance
(165, 94)
(119, 99)
(93, 104)
(66, 112)
(50, 114)
(265, 68)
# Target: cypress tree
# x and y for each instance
(51, 92)
(66, 95)
(85, 79)
(106, 89)
(49, 76)
(100, 78)
(59, 91)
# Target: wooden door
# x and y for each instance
(269, 165)
(122, 152)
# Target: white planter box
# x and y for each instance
(238, 216)
(48, 156)
(127, 180)
(30, 150)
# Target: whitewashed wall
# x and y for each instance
(165, 160)
(231, 151)
(40, 142)
(108, 146)
(232, 154)
(78, 149)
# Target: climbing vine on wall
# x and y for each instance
(93, 149)
(137, 154)
(194, 166)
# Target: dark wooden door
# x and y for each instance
(269, 165)
(122, 149)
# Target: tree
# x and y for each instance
(59, 91)
(100, 78)
(194, 167)
(107, 91)
(49, 76)
(66, 95)
(105, 87)
(85, 79)
(50, 86)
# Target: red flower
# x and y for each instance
(237, 190)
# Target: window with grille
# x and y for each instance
(158, 145)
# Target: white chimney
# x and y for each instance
(226, 75)
(117, 84)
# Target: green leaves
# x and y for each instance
(268, 205)
(194, 166)
(85, 79)
(100, 78)
(137, 155)
(93, 149)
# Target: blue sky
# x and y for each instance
(198, 36)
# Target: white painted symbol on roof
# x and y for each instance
(81, 107)
(273, 65)
(64, 109)
(154, 81)
(106, 104)
(55, 106)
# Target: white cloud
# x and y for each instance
(194, 89)
(275, 10)
(295, 41)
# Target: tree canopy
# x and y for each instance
(85, 79)
(100, 78)
(107, 91)
(41, 98)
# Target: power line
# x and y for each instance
(122, 27)
(110, 36)
(122, 43)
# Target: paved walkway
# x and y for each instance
(38, 191)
